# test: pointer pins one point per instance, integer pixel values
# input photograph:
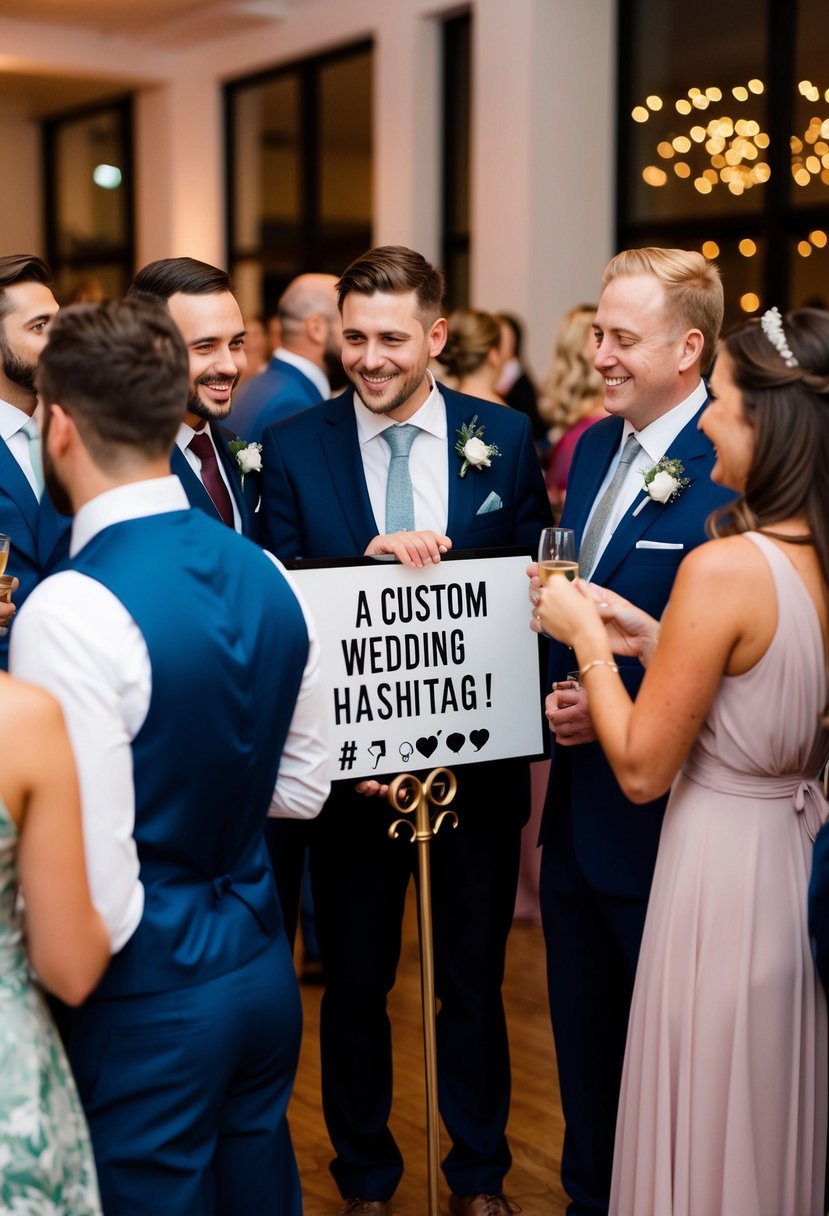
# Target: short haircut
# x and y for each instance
(120, 369)
(693, 288)
(472, 334)
(393, 270)
(21, 268)
(157, 281)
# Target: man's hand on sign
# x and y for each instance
(415, 549)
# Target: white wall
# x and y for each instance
(542, 139)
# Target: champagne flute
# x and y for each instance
(557, 554)
(6, 580)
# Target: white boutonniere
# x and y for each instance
(471, 448)
(663, 482)
(248, 456)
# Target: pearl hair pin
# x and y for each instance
(772, 326)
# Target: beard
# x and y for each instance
(54, 486)
(15, 369)
(210, 413)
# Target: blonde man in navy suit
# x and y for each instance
(658, 319)
(326, 473)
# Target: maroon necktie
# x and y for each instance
(212, 479)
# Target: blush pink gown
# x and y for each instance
(723, 1107)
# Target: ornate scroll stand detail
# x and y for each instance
(410, 796)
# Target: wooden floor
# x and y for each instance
(535, 1127)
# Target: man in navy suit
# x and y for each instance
(325, 495)
(658, 319)
(305, 364)
(188, 675)
(216, 478)
(39, 535)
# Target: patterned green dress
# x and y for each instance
(46, 1165)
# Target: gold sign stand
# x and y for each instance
(410, 796)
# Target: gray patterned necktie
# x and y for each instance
(599, 520)
(400, 515)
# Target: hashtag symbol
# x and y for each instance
(348, 755)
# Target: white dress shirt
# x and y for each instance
(655, 440)
(310, 370)
(12, 421)
(428, 462)
(76, 639)
(185, 434)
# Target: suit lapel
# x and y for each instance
(197, 496)
(221, 437)
(464, 497)
(577, 507)
(341, 451)
(14, 483)
(692, 449)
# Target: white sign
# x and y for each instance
(425, 668)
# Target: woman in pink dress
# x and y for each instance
(723, 1107)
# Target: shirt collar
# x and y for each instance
(315, 374)
(186, 433)
(657, 436)
(430, 417)
(11, 419)
(132, 501)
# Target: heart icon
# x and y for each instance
(455, 742)
(478, 738)
(426, 745)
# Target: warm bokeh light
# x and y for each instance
(703, 185)
(710, 249)
(665, 149)
(749, 302)
(639, 114)
(653, 102)
(682, 169)
(740, 93)
(804, 249)
(747, 247)
(818, 238)
(756, 86)
(683, 107)
(654, 176)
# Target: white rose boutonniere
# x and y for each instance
(663, 482)
(248, 456)
(471, 448)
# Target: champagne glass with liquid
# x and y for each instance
(6, 580)
(557, 554)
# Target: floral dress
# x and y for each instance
(46, 1165)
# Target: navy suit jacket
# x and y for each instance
(276, 393)
(315, 500)
(615, 840)
(39, 534)
(246, 496)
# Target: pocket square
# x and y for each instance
(492, 503)
(657, 544)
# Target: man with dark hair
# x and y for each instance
(38, 534)
(219, 474)
(305, 364)
(328, 492)
(188, 677)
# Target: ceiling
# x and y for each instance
(167, 24)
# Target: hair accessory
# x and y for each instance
(772, 326)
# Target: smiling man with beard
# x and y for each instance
(199, 299)
(38, 533)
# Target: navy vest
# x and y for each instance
(228, 644)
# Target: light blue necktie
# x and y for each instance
(400, 516)
(601, 516)
(32, 432)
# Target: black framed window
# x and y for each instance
(89, 204)
(723, 141)
(457, 83)
(299, 171)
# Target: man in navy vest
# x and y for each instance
(188, 677)
(38, 534)
(207, 458)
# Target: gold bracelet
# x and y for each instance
(597, 663)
